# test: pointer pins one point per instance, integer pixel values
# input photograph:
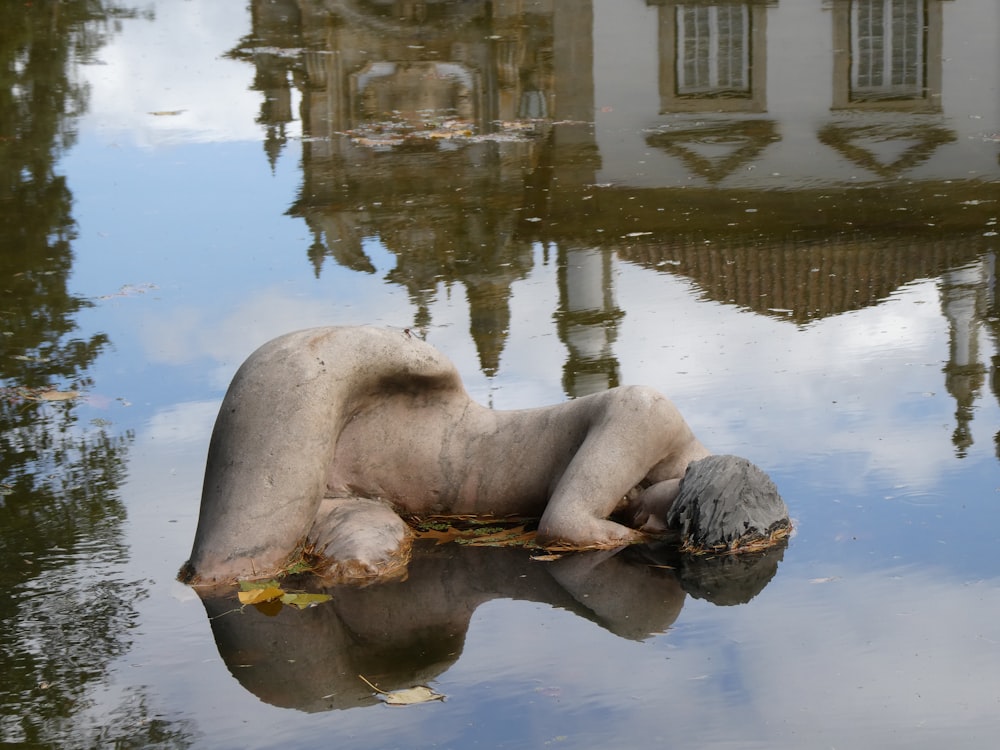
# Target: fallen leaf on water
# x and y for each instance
(54, 395)
(256, 596)
(406, 696)
(303, 600)
(441, 537)
(545, 558)
(261, 592)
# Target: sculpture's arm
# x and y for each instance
(634, 433)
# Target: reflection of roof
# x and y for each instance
(800, 280)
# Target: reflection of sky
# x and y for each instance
(173, 67)
(849, 413)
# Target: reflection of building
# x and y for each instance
(712, 55)
(885, 149)
(445, 206)
(714, 150)
(992, 317)
(962, 301)
(587, 320)
(714, 144)
(805, 280)
(887, 54)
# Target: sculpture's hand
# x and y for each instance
(648, 509)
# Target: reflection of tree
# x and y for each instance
(66, 609)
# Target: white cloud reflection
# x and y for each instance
(175, 65)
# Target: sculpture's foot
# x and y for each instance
(359, 539)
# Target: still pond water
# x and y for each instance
(782, 214)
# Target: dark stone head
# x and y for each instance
(726, 501)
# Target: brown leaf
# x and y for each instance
(441, 537)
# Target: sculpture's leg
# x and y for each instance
(267, 460)
(587, 493)
(632, 431)
(275, 437)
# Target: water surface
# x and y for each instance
(783, 215)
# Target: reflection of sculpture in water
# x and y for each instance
(402, 633)
(327, 435)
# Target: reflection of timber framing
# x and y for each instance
(736, 142)
(860, 144)
(800, 282)
(470, 214)
(887, 55)
(713, 55)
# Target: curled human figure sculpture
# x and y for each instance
(326, 436)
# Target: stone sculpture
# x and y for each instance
(326, 436)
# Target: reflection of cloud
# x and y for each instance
(879, 661)
(187, 335)
(863, 382)
(181, 424)
(170, 64)
(866, 660)
(899, 653)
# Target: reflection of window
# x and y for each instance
(887, 49)
(713, 51)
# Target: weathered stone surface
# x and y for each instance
(357, 538)
(326, 435)
(726, 500)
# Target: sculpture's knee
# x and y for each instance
(357, 538)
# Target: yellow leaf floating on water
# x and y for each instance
(303, 600)
(262, 592)
(256, 596)
(406, 696)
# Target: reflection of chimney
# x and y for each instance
(992, 316)
(489, 313)
(587, 320)
(961, 301)
(276, 26)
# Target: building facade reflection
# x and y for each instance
(713, 56)
(887, 54)
(798, 170)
